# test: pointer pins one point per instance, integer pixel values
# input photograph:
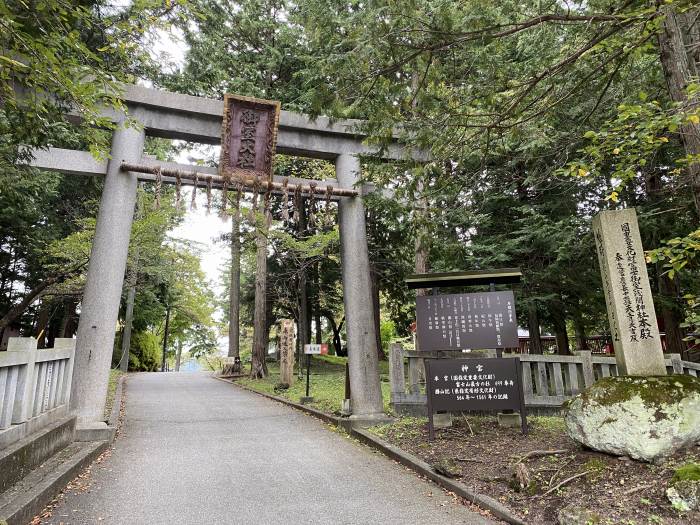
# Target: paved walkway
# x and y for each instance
(196, 450)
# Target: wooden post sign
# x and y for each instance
(461, 385)
(248, 138)
(287, 347)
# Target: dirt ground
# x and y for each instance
(618, 490)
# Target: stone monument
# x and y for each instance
(287, 348)
(642, 413)
(633, 326)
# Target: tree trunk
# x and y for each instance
(128, 321)
(679, 68)
(258, 366)
(580, 330)
(533, 324)
(421, 249)
(561, 336)
(234, 349)
(17, 310)
(304, 336)
(374, 281)
(42, 323)
(166, 332)
(337, 344)
(671, 314)
(67, 319)
(178, 355)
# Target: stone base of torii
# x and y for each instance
(175, 116)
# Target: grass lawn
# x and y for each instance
(327, 383)
(114, 376)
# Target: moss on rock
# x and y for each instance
(655, 391)
(645, 418)
(687, 472)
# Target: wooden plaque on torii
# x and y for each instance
(248, 137)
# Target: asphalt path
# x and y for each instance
(197, 450)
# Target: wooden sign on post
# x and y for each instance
(468, 320)
(287, 347)
(249, 136)
(460, 385)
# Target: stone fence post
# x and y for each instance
(587, 364)
(676, 363)
(397, 380)
(24, 393)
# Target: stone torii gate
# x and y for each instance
(196, 119)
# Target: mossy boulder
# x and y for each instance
(645, 418)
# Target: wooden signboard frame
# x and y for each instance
(453, 404)
(248, 137)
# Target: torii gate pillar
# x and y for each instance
(103, 289)
(366, 393)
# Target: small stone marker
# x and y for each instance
(287, 346)
(630, 306)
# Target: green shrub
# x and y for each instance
(145, 353)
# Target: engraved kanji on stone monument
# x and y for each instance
(630, 306)
(249, 136)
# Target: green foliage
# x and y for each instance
(636, 136)
(387, 331)
(680, 255)
(327, 384)
(687, 472)
(145, 352)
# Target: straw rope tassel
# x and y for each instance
(329, 219)
(159, 185)
(209, 184)
(285, 200)
(297, 203)
(178, 189)
(312, 216)
(254, 206)
(193, 202)
(223, 212)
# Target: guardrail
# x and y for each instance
(33, 381)
(548, 380)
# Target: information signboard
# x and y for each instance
(461, 385)
(467, 321)
(316, 349)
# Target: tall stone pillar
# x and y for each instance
(623, 270)
(366, 394)
(103, 289)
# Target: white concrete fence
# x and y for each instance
(34, 382)
(548, 380)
